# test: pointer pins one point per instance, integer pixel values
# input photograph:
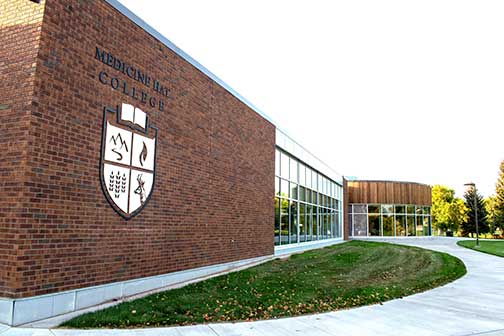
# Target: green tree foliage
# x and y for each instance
(497, 210)
(490, 205)
(448, 212)
(469, 226)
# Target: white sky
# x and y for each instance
(402, 90)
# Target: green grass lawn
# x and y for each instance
(495, 247)
(346, 275)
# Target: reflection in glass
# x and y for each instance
(419, 226)
(388, 225)
(302, 174)
(284, 188)
(303, 213)
(426, 226)
(301, 193)
(314, 223)
(400, 225)
(373, 208)
(277, 221)
(411, 209)
(411, 225)
(277, 162)
(284, 221)
(309, 231)
(294, 190)
(284, 166)
(374, 225)
(293, 170)
(359, 208)
(293, 221)
(360, 225)
(302, 222)
(400, 209)
(387, 209)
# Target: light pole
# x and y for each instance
(473, 186)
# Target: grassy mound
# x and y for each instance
(346, 275)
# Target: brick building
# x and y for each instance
(127, 166)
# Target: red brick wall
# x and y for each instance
(213, 198)
(20, 23)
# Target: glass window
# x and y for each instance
(302, 193)
(293, 221)
(327, 224)
(400, 225)
(400, 209)
(360, 225)
(277, 186)
(373, 209)
(387, 208)
(284, 221)
(374, 225)
(308, 196)
(411, 225)
(314, 223)
(337, 221)
(277, 221)
(426, 226)
(426, 210)
(314, 197)
(314, 181)
(419, 226)
(302, 222)
(284, 188)
(277, 162)
(302, 174)
(294, 190)
(309, 228)
(293, 170)
(418, 210)
(308, 177)
(411, 209)
(359, 208)
(388, 225)
(284, 165)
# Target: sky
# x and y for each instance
(387, 90)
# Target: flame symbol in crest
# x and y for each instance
(143, 154)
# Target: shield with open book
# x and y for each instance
(128, 159)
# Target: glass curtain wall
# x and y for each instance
(389, 220)
(307, 203)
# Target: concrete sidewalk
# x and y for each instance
(471, 305)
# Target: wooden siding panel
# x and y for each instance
(389, 192)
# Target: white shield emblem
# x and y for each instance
(128, 159)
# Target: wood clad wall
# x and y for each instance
(389, 192)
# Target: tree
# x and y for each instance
(448, 212)
(497, 205)
(492, 211)
(469, 225)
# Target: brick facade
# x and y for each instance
(212, 202)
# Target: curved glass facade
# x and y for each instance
(307, 204)
(389, 220)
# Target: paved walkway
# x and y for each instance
(471, 305)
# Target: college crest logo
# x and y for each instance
(128, 159)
